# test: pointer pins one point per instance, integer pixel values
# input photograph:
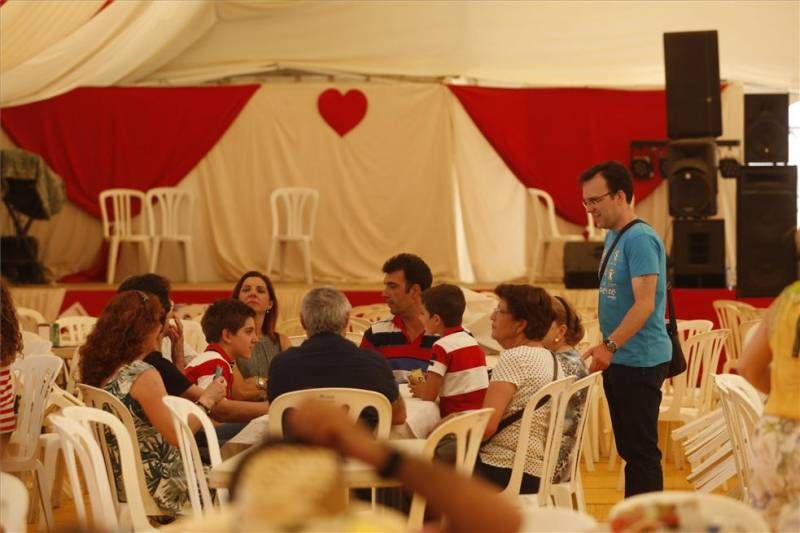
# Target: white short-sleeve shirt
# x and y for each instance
(529, 368)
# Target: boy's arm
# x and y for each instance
(429, 390)
(246, 389)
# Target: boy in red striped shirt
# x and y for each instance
(457, 374)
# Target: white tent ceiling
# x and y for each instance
(51, 46)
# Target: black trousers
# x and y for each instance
(634, 396)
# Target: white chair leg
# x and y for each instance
(153, 262)
(588, 458)
(307, 260)
(188, 251)
(40, 482)
(271, 258)
(146, 246)
(284, 246)
(538, 256)
(621, 477)
(51, 446)
(113, 251)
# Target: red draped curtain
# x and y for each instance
(548, 137)
(124, 137)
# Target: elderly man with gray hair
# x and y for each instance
(328, 359)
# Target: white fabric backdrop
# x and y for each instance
(388, 186)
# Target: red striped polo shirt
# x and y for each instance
(8, 421)
(200, 370)
(389, 337)
(460, 360)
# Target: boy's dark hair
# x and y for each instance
(225, 314)
(152, 283)
(529, 303)
(447, 301)
(616, 175)
(414, 269)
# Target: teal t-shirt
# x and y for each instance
(639, 252)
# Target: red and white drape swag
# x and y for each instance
(389, 185)
(548, 137)
(124, 137)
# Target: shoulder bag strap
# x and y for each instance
(513, 417)
(673, 323)
(614, 245)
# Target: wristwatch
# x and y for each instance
(611, 345)
(261, 382)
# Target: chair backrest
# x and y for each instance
(118, 219)
(73, 330)
(694, 388)
(555, 392)
(734, 514)
(100, 399)
(35, 376)
(586, 387)
(33, 344)
(77, 440)
(13, 503)
(193, 335)
(356, 400)
(354, 337)
(29, 317)
(95, 421)
(468, 428)
(747, 329)
(169, 212)
(690, 328)
(544, 220)
(294, 211)
(358, 325)
(181, 409)
(731, 313)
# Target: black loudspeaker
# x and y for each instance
(581, 264)
(766, 128)
(19, 260)
(691, 65)
(698, 253)
(691, 168)
(766, 222)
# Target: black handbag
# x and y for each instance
(677, 364)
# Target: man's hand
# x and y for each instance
(416, 388)
(214, 392)
(601, 357)
(174, 330)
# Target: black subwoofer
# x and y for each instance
(581, 264)
(698, 253)
(766, 254)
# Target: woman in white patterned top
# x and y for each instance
(520, 322)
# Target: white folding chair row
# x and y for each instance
(50, 444)
(731, 314)
(73, 330)
(29, 319)
(545, 231)
(742, 408)
(78, 428)
(34, 377)
(13, 504)
(168, 212)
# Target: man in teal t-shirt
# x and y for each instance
(635, 353)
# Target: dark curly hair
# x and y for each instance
(271, 318)
(10, 336)
(529, 303)
(230, 314)
(566, 315)
(119, 335)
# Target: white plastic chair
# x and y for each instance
(181, 409)
(731, 314)
(468, 428)
(555, 391)
(356, 400)
(79, 427)
(13, 504)
(35, 376)
(556, 520)
(73, 330)
(297, 340)
(33, 344)
(294, 214)
(545, 231)
(50, 444)
(169, 219)
(570, 493)
(100, 399)
(729, 510)
(119, 226)
(30, 316)
(193, 335)
(292, 327)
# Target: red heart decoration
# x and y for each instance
(342, 112)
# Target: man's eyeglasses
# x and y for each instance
(594, 200)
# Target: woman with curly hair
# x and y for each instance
(10, 344)
(129, 329)
(256, 290)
